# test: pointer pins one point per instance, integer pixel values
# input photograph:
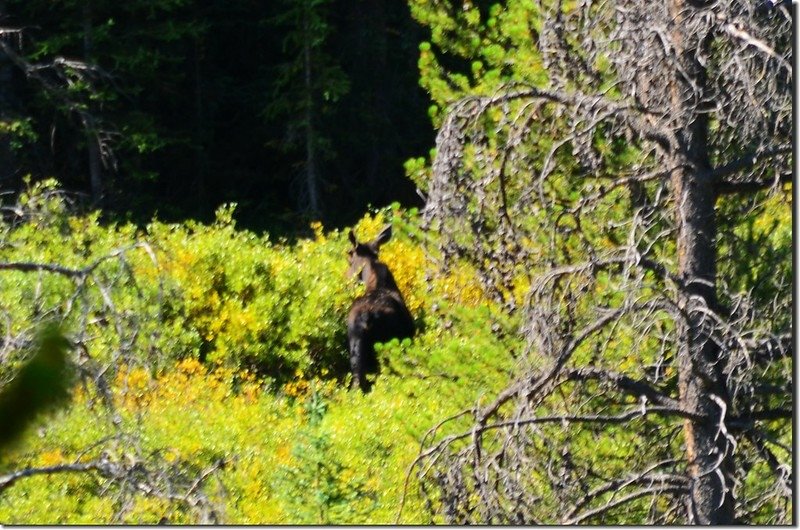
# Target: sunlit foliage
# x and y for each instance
(226, 346)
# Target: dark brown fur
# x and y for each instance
(379, 315)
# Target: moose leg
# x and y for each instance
(357, 352)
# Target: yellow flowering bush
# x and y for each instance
(226, 345)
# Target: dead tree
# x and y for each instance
(58, 79)
(616, 189)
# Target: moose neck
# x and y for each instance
(376, 275)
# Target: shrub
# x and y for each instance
(220, 345)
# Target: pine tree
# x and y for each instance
(305, 87)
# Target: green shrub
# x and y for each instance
(218, 344)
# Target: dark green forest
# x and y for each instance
(202, 103)
(413, 262)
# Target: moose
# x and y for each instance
(377, 316)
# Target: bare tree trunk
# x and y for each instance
(90, 127)
(311, 155)
(700, 379)
(701, 382)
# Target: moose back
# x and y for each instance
(377, 316)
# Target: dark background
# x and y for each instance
(202, 82)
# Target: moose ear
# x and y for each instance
(352, 237)
(383, 237)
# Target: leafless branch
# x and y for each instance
(725, 187)
(647, 477)
(56, 78)
(48, 267)
(615, 503)
(771, 348)
(627, 385)
(8, 480)
(66, 271)
(733, 30)
(748, 161)
(783, 472)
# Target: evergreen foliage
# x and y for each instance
(203, 103)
